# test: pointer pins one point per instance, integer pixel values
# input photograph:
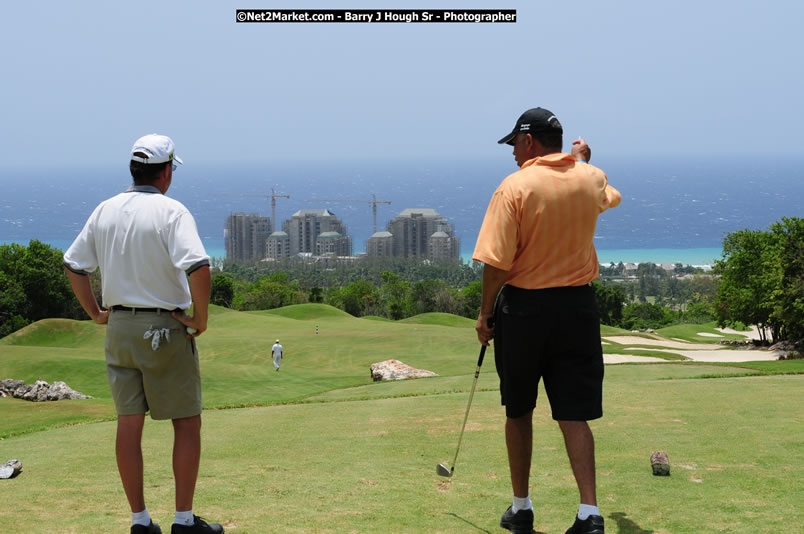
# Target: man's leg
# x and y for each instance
(519, 440)
(128, 449)
(580, 445)
(186, 457)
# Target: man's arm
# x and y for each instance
(200, 288)
(582, 152)
(493, 280)
(83, 292)
(613, 197)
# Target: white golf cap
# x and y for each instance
(157, 148)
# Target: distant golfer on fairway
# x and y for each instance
(147, 246)
(536, 244)
(276, 350)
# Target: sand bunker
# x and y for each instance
(698, 352)
(753, 334)
(722, 355)
(636, 340)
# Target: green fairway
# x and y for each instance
(691, 332)
(323, 449)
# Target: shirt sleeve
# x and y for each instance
(499, 234)
(184, 245)
(611, 197)
(81, 257)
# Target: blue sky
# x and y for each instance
(82, 80)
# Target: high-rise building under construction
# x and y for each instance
(305, 228)
(416, 233)
(244, 236)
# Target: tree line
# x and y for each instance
(33, 286)
(759, 280)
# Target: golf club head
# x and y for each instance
(443, 471)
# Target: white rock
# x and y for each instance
(396, 370)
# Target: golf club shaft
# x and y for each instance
(469, 404)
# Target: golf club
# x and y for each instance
(443, 470)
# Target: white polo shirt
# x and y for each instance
(145, 245)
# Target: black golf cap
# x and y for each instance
(533, 120)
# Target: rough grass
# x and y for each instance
(441, 319)
(376, 318)
(306, 312)
(612, 331)
(62, 333)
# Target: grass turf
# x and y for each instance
(330, 451)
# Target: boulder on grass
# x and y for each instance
(396, 370)
(10, 469)
(40, 391)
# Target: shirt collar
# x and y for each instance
(143, 189)
(552, 160)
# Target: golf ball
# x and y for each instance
(191, 330)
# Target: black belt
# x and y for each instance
(118, 307)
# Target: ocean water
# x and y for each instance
(674, 209)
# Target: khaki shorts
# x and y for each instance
(166, 381)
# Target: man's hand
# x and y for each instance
(493, 280)
(102, 317)
(191, 322)
(581, 151)
(200, 285)
(83, 292)
(484, 328)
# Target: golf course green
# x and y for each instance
(320, 448)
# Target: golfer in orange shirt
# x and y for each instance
(536, 243)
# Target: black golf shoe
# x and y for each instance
(200, 527)
(153, 528)
(591, 525)
(518, 523)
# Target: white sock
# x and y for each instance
(521, 503)
(141, 518)
(184, 518)
(585, 510)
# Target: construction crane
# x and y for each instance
(373, 203)
(273, 196)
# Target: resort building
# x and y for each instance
(423, 233)
(244, 236)
(333, 243)
(380, 244)
(277, 245)
(441, 246)
(304, 227)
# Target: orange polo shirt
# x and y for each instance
(541, 220)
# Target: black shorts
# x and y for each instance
(552, 334)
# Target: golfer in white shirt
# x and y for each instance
(276, 350)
